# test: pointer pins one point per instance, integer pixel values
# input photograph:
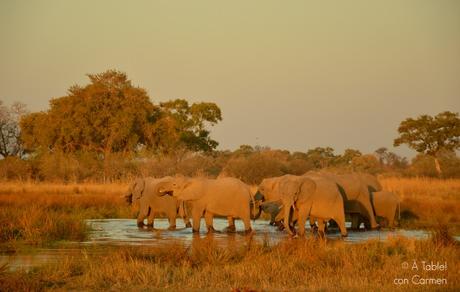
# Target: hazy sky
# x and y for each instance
(287, 74)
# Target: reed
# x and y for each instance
(291, 265)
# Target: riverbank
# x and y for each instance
(292, 264)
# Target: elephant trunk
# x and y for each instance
(255, 216)
(257, 198)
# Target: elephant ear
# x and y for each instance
(138, 188)
(290, 186)
(308, 186)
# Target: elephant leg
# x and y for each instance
(172, 220)
(355, 221)
(370, 210)
(340, 220)
(231, 224)
(196, 218)
(302, 218)
(247, 224)
(208, 217)
(321, 226)
(272, 218)
(150, 218)
(313, 227)
(187, 222)
(143, 211)
(280, 225)
(287, 204)
(391, 219)
(184, 214)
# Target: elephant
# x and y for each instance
(271, 202)
(313, 197)
(222, 196)
(145, 191)
(356, 188)
(385, 204)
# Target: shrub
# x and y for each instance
(15, 168)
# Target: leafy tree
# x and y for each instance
(10, 142)
(108, 115)
(321, 157)
(429, 135)
(191, 121)
(347, 157)
(390, 159)
(366, 163)
(244, 150)
(111, 115)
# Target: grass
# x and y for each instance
(426, 203)
(40, 214)
(294, 264)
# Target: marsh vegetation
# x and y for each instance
(46, 215)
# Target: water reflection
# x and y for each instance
(126, 232)
(122, 232)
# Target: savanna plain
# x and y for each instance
(44, 215)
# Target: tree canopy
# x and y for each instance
(429, 135)
(110, 115)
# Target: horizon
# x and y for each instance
(277, 71)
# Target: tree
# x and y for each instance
(10, 142)
(366, 163)
(108, 115)
(429, 135)
(321, 157)
(191, 122)
(346, 158)
(111, 115)
(390, 159)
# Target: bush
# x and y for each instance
(366, 163)
(254, 168)
(15, 168)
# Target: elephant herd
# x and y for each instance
(321, 197)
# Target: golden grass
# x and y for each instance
(426, 202)
(291, 265)
(17, 187)
(44, 213)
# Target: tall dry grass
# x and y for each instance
(292, 265)
(43, 213)
(427, 202)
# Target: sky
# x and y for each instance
(287, 74)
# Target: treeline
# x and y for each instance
(251, 164)
(110, 130)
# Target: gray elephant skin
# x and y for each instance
(356, 189)
(314, 197)
(228, 197)
(151, 204)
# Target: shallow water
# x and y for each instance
(122, 232)
(126, 232)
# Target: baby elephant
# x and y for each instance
(386, 205)
(151, 203)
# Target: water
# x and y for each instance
(122, 232)
(126, 232)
